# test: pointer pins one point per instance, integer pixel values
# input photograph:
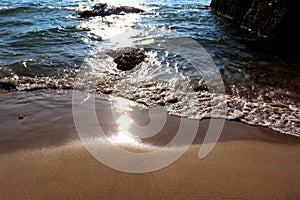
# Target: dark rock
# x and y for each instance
(198, 88)
(108, 91)
(129, 58)
(267, 99)
(234, 9)
(198, 85)
(102, 9)
(87, 13)
(161, 103)
(265, 18)
(172, 100)
(273, 19)
(7, 86)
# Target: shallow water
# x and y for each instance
(45, 45)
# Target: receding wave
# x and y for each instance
(179, 94)
(168, 80)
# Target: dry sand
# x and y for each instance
(42, 157)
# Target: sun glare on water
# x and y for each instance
(123, 138)
(103, 28)
(133, 3)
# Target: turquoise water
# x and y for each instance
(43, 44)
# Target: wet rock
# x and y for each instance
(198, 85)
(161, 103)
(87, 13)
(7, 86)
(267, 99)
(264, 17)
(273, 19)
(234, 9)
(172, 100)
(129, 58)
(108, 91)
(5, 72)
(103, 9)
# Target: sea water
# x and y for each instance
(45, 45)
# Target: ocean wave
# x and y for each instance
(278, 116)
(13, 9)
(5, 8)
(63, 7)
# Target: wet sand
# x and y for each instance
(42, 157)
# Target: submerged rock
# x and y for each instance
(127, 59)
(102, 9)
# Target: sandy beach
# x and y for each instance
(149, 100)
(42, 157)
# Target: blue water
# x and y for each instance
(43, 34)
(46, 40)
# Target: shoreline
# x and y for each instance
(44, 119)
(44, 159)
